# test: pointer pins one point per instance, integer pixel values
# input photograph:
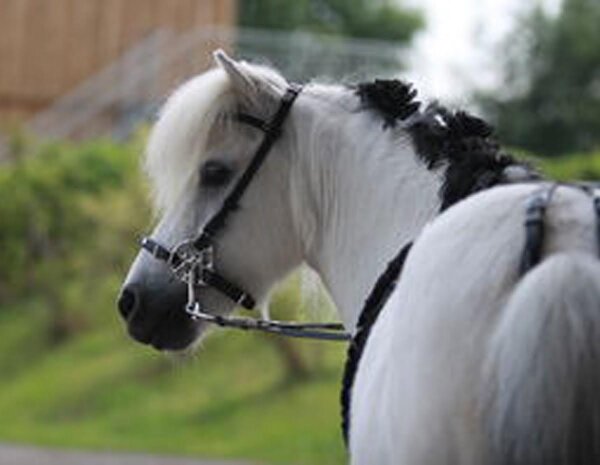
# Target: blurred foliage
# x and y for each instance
(581, 167)
(381, 19)
(63, 228)
(549, 102)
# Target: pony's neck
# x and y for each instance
(369, 195)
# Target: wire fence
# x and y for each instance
(128, 92)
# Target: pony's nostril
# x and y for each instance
(128, 301)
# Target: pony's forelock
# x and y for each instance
(178, 140)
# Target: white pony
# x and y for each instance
(468, 362)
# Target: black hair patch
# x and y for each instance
(465, 145)
(462, 144)
(393, 99)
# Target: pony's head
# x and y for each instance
(196, 152)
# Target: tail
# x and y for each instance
(544, 368)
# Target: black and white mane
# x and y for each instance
(462, 144)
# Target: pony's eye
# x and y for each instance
(215, 173)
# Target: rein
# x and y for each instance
(192, 261)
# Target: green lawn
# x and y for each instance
(232, 400)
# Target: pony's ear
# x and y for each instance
(240, 80)
(250, 82)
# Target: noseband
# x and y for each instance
(192, 261)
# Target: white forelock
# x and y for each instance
(177, 143)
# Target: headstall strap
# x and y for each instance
(192, 261)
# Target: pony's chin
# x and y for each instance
(181, 343)
(176, 338)
(184, 343)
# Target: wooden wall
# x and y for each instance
(48, 46)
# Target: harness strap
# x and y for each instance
(385, 285)
(535, 210)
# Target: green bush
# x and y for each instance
(582, 167)
(65, 212)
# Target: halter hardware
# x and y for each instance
(192, 261)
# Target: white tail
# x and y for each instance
(545, 367)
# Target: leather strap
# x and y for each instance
(272, 131)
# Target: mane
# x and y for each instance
(177, 143)
(461, 143)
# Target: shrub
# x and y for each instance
(62, 209)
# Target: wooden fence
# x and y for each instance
(49, 46)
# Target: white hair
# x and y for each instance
(177, 143)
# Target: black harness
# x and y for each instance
(385, 285)
(192, 261)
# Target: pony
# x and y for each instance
(469, 361)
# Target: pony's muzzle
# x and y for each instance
(128, 301)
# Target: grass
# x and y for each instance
(102, 391)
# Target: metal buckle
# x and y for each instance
(191, 260)
(188, 264)
(194, 310)
(192, 307)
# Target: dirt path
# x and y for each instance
(24, 455)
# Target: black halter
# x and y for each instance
(192, 261)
